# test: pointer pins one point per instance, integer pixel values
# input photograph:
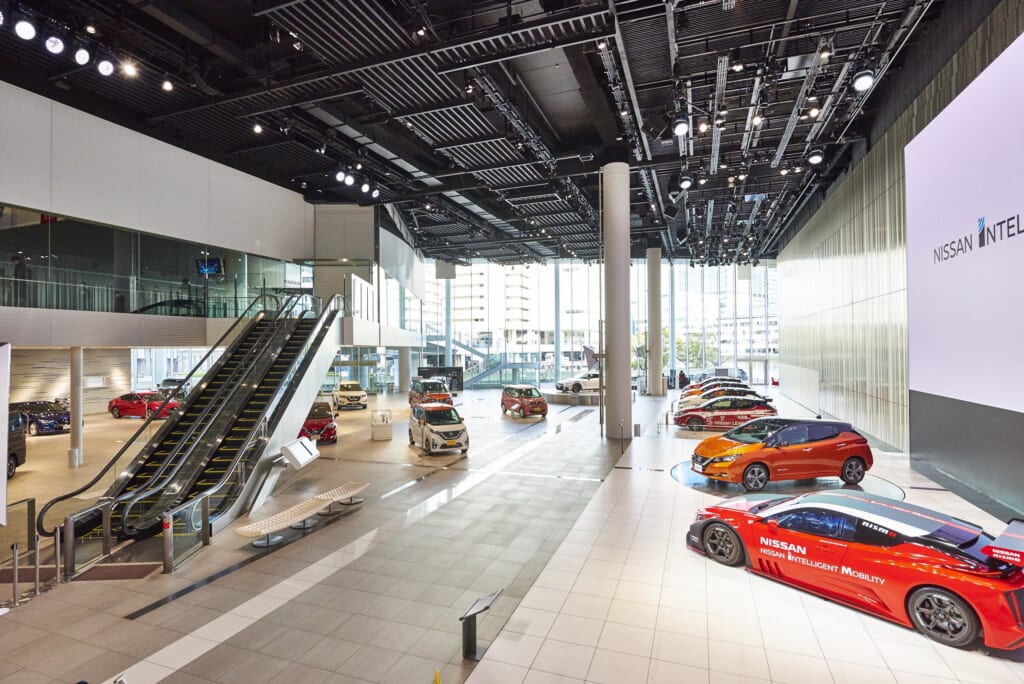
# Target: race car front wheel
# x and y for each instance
(755, 477)
(853, 470)
(943, 616)
(723, 544)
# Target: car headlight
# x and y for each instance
(726, 459)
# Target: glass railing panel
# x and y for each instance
(185, 534)
(20, 530)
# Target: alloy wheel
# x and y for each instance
(943, 616)
(755, 477)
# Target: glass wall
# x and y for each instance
(60, 263)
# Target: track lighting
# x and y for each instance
(349, 179)
(813, 112)
(685, 182)
(365, 187)
(602, 44)
(257, 128)
(129, 69)
(82, 56)
(428, 206)
(167, 86)
(863, 80)
(757, 120)
(359, 166)
(816, 156)
(375, 193)
(784, 170)
(826, 52)
(105, 67)
(54, 45)
(90, 28)
(702, 126)
(702, 180)
(742, 177)
(680, 126)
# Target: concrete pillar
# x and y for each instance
(654, 343)
(75, 450)
(558, 320)
(615, 218)
(672, 360)
(404, 368)
(448, 322)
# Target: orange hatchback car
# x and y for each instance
(772, 448)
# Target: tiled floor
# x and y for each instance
(588, 544)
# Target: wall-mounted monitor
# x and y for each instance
(211, 266)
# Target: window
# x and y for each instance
(875, 535)
(821, 431)
(819, 522)
(126, 397)
(794, 434)
(743, 404)
(721, 405)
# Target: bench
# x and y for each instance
(300, 512)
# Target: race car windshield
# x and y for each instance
(350, 387)
(445, 417)
(433, 387)
(320, 411)
(756, 430)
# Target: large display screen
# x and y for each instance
(965, 243)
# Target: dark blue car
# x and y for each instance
(42, 417)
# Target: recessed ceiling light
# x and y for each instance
(25, 29)
(685, 182)
(54, 45)
(167, 86)
(82, 56)
(105, 67)
(813, 112)
(816, 156)
(680, 127)
(257, 128)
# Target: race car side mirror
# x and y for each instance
(773, 523)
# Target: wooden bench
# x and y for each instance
(300, 512)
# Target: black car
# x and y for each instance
(42, 417)
(15, 444)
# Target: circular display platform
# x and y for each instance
(682, 474)
(588, 398)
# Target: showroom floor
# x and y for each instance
(588, 544)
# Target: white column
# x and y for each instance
(558, 320)
(615, 217)
(75, 448)
(654, 342)
(448, 322)
(404, 368)
(673, 363)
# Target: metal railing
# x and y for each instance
(187, 527)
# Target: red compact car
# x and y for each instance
(141, 404)
(320, 426)
(723, 413)
(426, 391)
(919, 568)
(523, 400)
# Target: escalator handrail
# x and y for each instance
(160, 479)
(130, 441)
(300, 360)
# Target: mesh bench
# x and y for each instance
(301, 511)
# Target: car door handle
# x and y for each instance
(808, 449)
(842, 444)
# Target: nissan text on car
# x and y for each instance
(771, 449)
(917, 567)
(320, 426)
(141, 405)
(437, 427)
(523, 400)
(722, 413)
(584, 381)
(350, 394)
(426, 391)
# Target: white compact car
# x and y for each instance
(583, 381)
(349, 395)
(437, 427)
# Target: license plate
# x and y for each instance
(538, 409)
(65, 426)
(452, 442)
(314, 435)
(698, 467)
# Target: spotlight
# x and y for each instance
(129, 69)
(602, 44)
(723, 165)
(257, 128)
(624, 113)
(826, 52)
(816, 156)
(685, 182)
(359, 166)
(303, 185)
(813, 112)
(376, 193)
(167, 86)
(863, 80)
(702, 180)
(54, 45)
(784, 170)
(365, 187)
(757, 120)
(469, 88)
(349, 179)
(105, 67)
(340, 176)
(428, 206)
(421, 31)
(719, 120)
(25, 29)
(702, 126)
(742, 176)
(680, 127)
(3, 17)
(90, 28)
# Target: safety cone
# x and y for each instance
(437, 677)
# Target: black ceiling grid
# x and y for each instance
(508, 174)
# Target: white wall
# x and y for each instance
(45, 374)
(63, 161)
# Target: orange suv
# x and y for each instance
(426, 391)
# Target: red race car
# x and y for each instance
(141, 404)
(320, 426)
(916, 567)
(723, 413)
